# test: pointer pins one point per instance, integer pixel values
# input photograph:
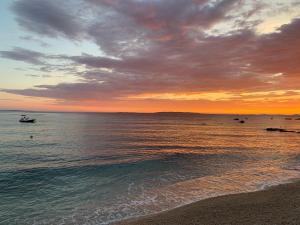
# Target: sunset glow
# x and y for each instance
(207, 56)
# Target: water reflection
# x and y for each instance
(101, 167)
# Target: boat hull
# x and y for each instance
(27, 121)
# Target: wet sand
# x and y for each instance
(278, 205)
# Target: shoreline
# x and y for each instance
(276, 205)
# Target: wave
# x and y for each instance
(66, 184)
(186, 192)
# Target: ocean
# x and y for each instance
(96, 168)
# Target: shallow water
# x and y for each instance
(93, 168)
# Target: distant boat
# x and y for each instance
(26, 119)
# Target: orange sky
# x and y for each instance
(199, 106)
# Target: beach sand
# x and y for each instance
(278, 205)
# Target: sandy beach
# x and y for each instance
(278, 205)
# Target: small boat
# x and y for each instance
(26, 119)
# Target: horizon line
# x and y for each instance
(158, 112)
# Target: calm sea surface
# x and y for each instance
(89, 168)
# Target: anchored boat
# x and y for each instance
(26, 119)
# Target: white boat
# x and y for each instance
(26, 119)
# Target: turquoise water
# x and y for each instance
(94, 168)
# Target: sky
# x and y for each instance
(207, 56)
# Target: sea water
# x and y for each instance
(96, 168)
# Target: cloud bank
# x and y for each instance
(162, 48)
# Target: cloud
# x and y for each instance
(52, 18)
(121, 27)
(163, 48)
(36, 40)
(24, 55)
(133, 27)
(278, 52)
(171, 15)
(42, 62)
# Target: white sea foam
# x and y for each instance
(182, 193)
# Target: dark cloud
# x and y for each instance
(52, 18)
(279, 51)
(171, 15)
(40, 62)
(24, 55)
(121, 27)
(133, 27)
